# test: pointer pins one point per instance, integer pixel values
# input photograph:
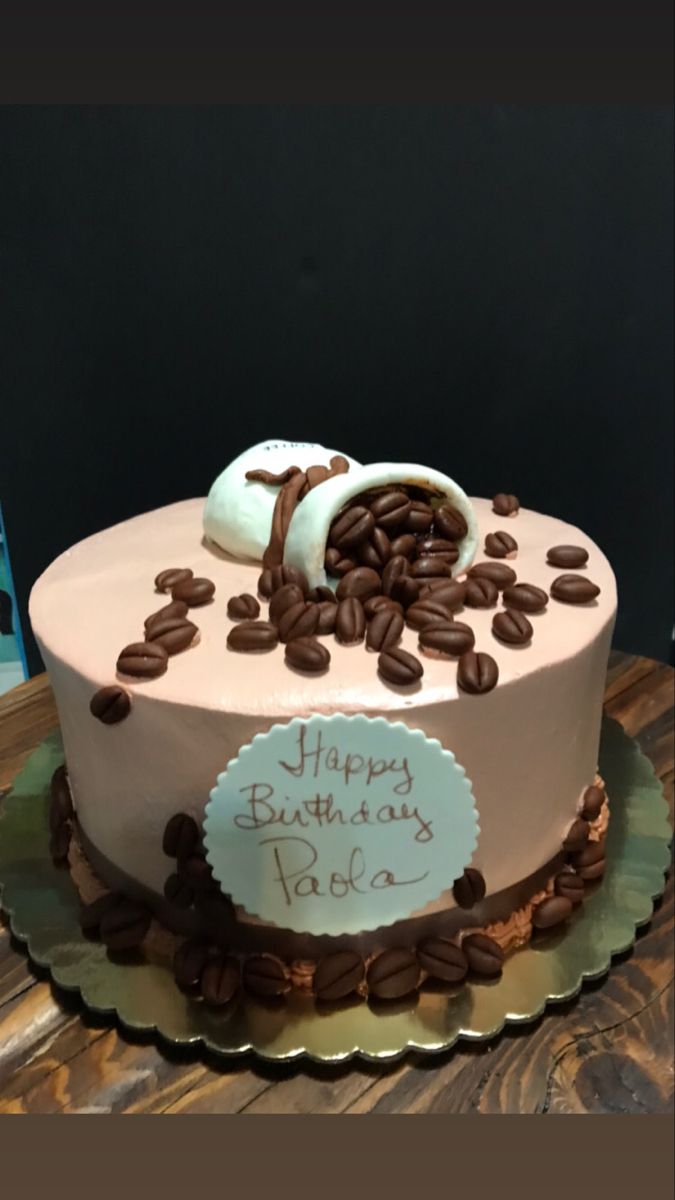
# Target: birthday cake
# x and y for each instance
(334, 727)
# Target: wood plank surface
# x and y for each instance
(610, 1050)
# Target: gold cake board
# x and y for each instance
(43, 907)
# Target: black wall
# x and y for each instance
(486, 289)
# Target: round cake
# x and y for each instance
(509, 618)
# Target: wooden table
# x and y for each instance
(611, 1050)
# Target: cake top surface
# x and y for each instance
(94, 598)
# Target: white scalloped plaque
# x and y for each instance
(339, 824)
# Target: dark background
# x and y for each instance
(485, 289)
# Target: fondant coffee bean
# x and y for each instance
(300, 620)
(512, 627)
(405, 545)
(306, 654)
(220, 980)
(93, 913)
(592, 802)
(285, 597)
(431, 546)
(281, 575)
(420, 518)
(189, 962)
(589, 863)
(393, 974)
(447, 639)
(570, 885)
(375, 552)
(352, 527)
(477, 673)
(167, 580)
(110, 705)
(194, 592)
(385, 629)
(338, 975)
(576, 837)
(525, 597)
(243, 608)
(177, 608)
(399, 667)
(469, 889)
(552, 911)
(574, 589)
(322, 595)
(448, 592)
(484, 956)
(350, 621)
(450, 523)
(378, 602)
(337, 564)
(59, 842)
(405, 590)
(505, 504)
(253, 636)
(174, 634)
(390, 509)
(265, 975)
(143, 660)
(327, 618)
(426, 612)
(195, 870)
(265, 583)
(568, 557)
(442, 959)
(362, 582)
(178, 892)
(60, 799)
(124, 926)
(480, 592)
(498, 572)
(431, 566)
(181, 836)
(500, 544)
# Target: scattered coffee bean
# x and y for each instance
(447, 639)
(501, 575)
(505, 505)
(589, 863)
(189, 962)
(167, 580)
(484, 956)
(243, 608)
(143, 660)
(195, 870)
(469, 889)
(525, 597)
(60, 799)
(265, 583)
(322, 595)
(450, 523)
(300, 620)
(570, 885)
(284, 598)
(512, 627)
(552, 911)
(181, 836)
(567, 557)
(59, 843)
(443, 546)
(92, 914)
(336, 564)
(220, 980)
(393, 974)
(390, 509)
(426, 612)
(480, 592)
(442, 959)
(592, 802)
(350, 621)
(396, 568)
(385, 629)
(338, 975)
(352, 527)
(574, 589)
(448, 592)
(399, 667)
(379, 602)
(124, 926)
(178, 892)
(110, 704)
(420, 518)
(194, 592)
(376, 552)
(431, 566)
(576, 837)
(253, 636)
(281, 575)
(265, 975)
(174, 634)
(362, 582)
(405, 590)
(327, 618)
(477, 673)
(177, 608)
(405, 544)
(500, 544)
(306, 654)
